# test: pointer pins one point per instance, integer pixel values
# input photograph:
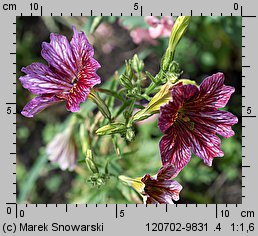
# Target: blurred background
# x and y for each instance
(211, 45)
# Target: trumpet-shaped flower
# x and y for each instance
(160, 189)
(191, 120)
(69, 75)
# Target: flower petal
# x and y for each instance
(213, 92)
(40, 79)
(88, 74)
(175, 149)
(183, 93)
(166, 172)
(38, 104)
(152, 20)
(81, 48)
(63, 151)
(156, 32)
(168, 115)
(59, 55)
(205, 145)
(87, 79)
(219, 122)
(151, 200)
(77, 95)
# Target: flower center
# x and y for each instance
(183, 117)
(74, 83)
(186, 119)
(75, 80)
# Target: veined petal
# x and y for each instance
(88, 75)
(77, 94)
(81, 48)
(213, 92)
(150, 200)
(40, 79)
(219, 122)
(166, 172)
(38, 104)
(205, 145)
(175, 149)
(168, 115)
(59, 55)
(181, 94)
(175, 189)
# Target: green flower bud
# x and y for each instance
(161, 98)
(126, 82)
(179, 28)
(100, 104)
(137, 64)
(113, 128)
(128, 69)
(130, 135)
(90, 163)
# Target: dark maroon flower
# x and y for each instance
(192, 120)
(162, 188)
(69, 76)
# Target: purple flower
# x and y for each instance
(161, 188)
(192, 120)
(156, 189)
(63, 150)
(69, 76)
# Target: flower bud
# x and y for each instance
(126, 82)
(130, 135)
(177, 33)
(161, 98)
(100, 104)
(113, 128)
(137, 64)
(128, 69)
(90, 163)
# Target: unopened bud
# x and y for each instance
(130, 135)
(137, 64)
(126, 82)
(113, 128)
(90, 163)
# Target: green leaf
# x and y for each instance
(32, 176)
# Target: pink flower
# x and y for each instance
(159, 27)
(191, 120)
(140, 35)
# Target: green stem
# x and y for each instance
(153, 85)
